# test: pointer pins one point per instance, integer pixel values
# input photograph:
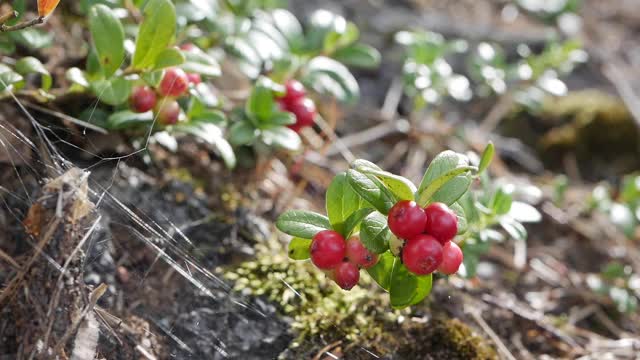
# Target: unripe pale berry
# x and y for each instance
(327, 249)
(406, 219)
(346, 275)
(174, 83)
(395, 245)
(305, 111)
(451, 258)
(142, 99)
(422, 255)
(442, 222)
(294, 90)
(194, 78)
(167, 111)
(188, 47)
(359, 255)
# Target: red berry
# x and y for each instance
(174, 83)
(168, 111)
(187, 47)
(142, 99)
(305, 111)
(422, 255)
(327, 249)
(451, 258)
(360, 255)
(294, 91)
(406, 219)
(346, 275)
(194, 78)
(441, 223)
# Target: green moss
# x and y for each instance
(442, 338)
(314, 302)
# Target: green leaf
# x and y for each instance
(212, 134)
(514, 228)
(407, 289)
(524, 213)
(358, 55)
(242, 133)
(114, 91)
(108, 38)
(374, 233)
(126, 119)
(261, 104)
(327, 76)
(381, 271)
(402, 188)
(281, 118)
(487, 156)
(371, 190)
(501, 201)
(352, 223)
(341, 202)
(8, 77)
(299, 248)
(201, 63)
(76, 76)
(30, 65)
(288, 25)
(281, 137)
(215, 117)
(447, 178)
(152, 78)
(462, 219)
(156, 32)
(169, 57)
(303, 224)
(364, 165)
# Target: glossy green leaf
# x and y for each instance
(126, 119)
(114, 91)
(515, 229)
(341, 202)
(213, 135)
(303, 224)
(330, 77)
(108, 38)
(501, 201)
(201, 63)
(462, 219)
(76, 76)
(169, 57)
(242, 133)
(299, 248)
(30, 65)
(353, 222)
(382, 270)
(374, 233)
(447, 178)
(8, 77)
(524, 212)
(487, 156)
(358, 55)
(261, 101)
(402, 188)
(281, 137)
(156, 32)
(407, 289)
(280, 118)
(371, 190)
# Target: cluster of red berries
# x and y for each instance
(341, 259)
(427, 233)
(296, 102)
(162, 100)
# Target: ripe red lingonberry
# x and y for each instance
(194, 78)
(346, 275)
(174, 83)
(167, 111)
(422, 254)
(406, 219)
(142, 99)
(451, 258)
(305, 111)
(327, 249)
(441, 223)
(294, 90)
(358, 254)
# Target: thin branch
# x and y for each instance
(23, 25)
(8, 16)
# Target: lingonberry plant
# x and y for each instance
(154, 65)
(398, 233)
